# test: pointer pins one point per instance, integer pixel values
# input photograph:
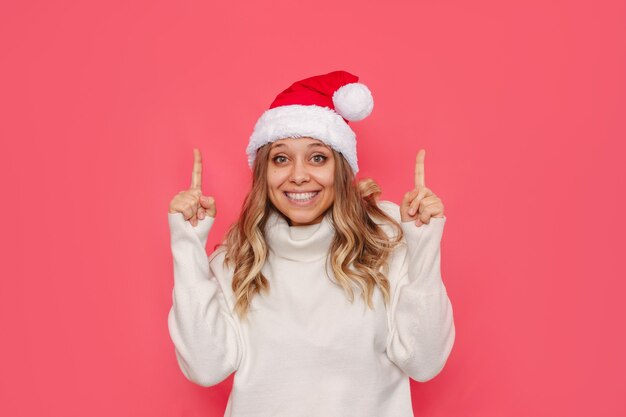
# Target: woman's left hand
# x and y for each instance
(420, 204)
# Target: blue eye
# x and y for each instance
(324, 157)
(276, 157)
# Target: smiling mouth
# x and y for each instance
(301, 197)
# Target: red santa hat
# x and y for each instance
(319, 107)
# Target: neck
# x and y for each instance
(302, 243)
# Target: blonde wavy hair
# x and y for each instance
(359, 251)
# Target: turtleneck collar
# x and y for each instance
(299, 243)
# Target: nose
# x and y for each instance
(299, 174)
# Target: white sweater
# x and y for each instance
(306, 351)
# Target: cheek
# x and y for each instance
(275, 180)
(327, 178)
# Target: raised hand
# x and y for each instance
(420, 204)
(191, 203)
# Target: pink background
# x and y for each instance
(519, 105)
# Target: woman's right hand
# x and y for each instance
(191, 203)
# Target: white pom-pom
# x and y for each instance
(353, 101)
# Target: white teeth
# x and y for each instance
(301, 196)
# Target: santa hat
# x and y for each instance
(319, 107)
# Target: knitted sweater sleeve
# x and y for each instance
(422, 329)
(200, 324)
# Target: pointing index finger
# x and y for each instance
(420, 175)
(196, 175)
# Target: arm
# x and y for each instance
(422, 332)
(200, 324)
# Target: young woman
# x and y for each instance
(322, 299)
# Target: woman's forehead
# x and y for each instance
(297, 142)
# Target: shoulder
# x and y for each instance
(391, 209)
(217, 258)
(218, 266)
(223, 274)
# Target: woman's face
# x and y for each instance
(300, 176)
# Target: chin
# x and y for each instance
(303, 221)
(299, 218)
